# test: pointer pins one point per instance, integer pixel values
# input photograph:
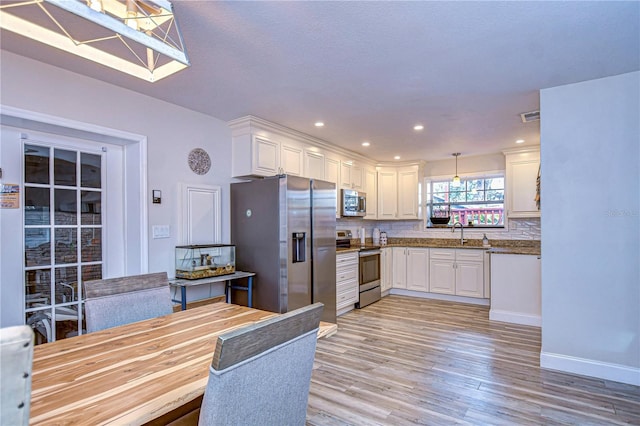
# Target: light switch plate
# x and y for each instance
(160, 231)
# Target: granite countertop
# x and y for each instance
(497, 246)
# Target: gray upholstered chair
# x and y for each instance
(16, 360)
(117, 301)
(261, 373)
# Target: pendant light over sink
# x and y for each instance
(456, 178)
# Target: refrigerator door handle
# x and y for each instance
(299, 243)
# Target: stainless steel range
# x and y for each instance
(368, 267)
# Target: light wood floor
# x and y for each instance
(417, 361)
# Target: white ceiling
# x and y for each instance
(371, 70)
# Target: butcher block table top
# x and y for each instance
(133, 373)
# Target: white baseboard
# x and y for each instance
(591, 368)
(450, 298)
(515, 317)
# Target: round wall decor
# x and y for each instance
(199, 161)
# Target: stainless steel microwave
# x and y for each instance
(354, 203)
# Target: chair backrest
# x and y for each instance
(260, 373)
(16, 360)
(118, 301)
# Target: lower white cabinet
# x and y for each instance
(399, 274)
(418, 269)
(386, 269)
(346, 280)
(457, 271)
(411, 268)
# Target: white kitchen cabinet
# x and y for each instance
(457, 271)
(314, 165)
(371, 189)
(351, 176)
(408, 190)
(387, 193)
(470, 272)
(255, 156)
(411, 268)
(332, 174)
(291, 160)
(442, 277)
(386, 269)
(346, 281)
(260, 156)
(398, 193)
(515, 289)
(417, 264)
(521, 173)
(399, 267)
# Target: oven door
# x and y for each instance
(369, 268)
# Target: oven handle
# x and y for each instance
(369, 253)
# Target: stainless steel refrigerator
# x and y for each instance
(284, 230)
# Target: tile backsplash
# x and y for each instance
(518, 229)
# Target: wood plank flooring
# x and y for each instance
(404, 360)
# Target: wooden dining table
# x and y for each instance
(135, 373)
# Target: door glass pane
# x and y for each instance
(36, 164)
(66, 243)
(37, 246)
(91, 272)
(37, 287)
(91, 244)
(40, 321)
(91, 170)
(65, 207)
(67, 284)
(91, 205)
(36, 206)
(64, 167)
(66, 321)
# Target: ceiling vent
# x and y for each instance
(528, 117)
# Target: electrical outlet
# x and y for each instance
(160, 231)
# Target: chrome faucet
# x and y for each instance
(453, 229)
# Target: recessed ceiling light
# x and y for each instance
(418, 127)
(319, 124)
(366, 143)
(520, 141)
(397, 157)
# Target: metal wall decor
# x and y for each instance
(199, 161)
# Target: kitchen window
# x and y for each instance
(477, 201)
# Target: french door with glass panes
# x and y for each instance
(63, 235)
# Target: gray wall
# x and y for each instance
(590, 138)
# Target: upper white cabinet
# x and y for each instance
(522, 167)
(253, 155)
(387, 193)
(332, 174)
(398, 189)
(408, 190)
(291, 160)
(350, 175)
(314, 167)
(371, 189)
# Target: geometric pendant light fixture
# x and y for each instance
(138, 37)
